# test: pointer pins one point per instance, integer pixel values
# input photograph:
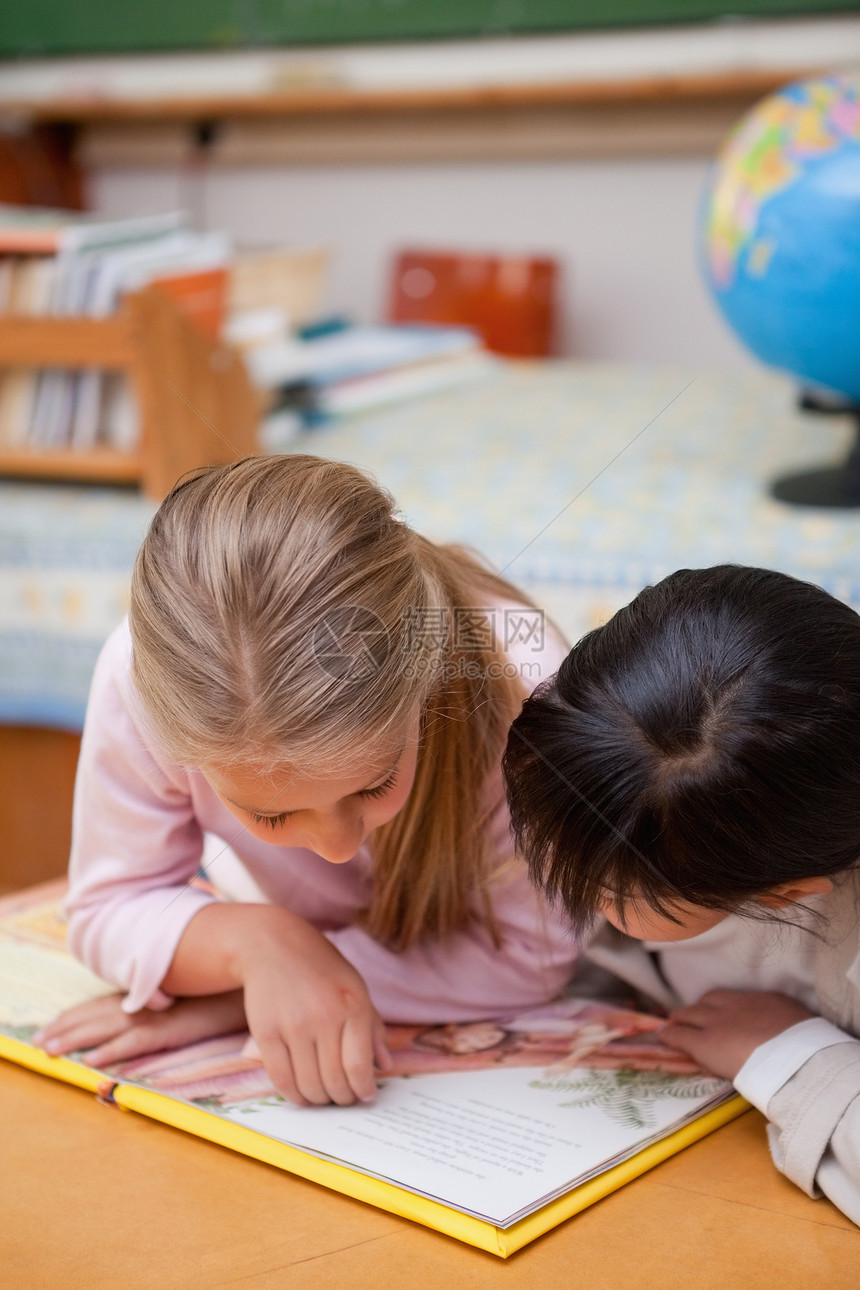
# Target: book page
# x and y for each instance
(496, 1144)
(38, 976)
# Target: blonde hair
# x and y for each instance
(282, 614)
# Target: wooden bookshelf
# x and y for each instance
(197, 404)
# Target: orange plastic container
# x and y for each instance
(511, 301)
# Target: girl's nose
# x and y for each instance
(337, 839)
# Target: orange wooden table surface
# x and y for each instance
(96, 1198)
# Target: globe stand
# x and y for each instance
(832, 486)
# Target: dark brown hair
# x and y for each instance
(702, 746)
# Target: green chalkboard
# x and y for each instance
(31, 28)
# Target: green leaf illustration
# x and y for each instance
(628, 1096)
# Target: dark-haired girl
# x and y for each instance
(692, 775)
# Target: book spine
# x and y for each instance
(57, 1067)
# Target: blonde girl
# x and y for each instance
(328, 694)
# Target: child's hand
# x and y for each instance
(311, 1016)
(112, 1035)
(724, 1028)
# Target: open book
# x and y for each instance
(493, 1131)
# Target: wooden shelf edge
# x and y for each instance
(98, 466)
(27, 340)
(335, 101)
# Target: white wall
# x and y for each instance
(623, 230)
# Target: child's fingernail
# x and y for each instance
(38, 1037)
(52, 1046)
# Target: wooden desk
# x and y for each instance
(94, 1198)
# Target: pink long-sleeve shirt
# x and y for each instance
(139, 825)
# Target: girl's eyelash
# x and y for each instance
(273, 821)
(380, 789)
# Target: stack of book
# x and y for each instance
(325, 373)
(58, 263)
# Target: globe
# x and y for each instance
(780, 245)
(781, 231)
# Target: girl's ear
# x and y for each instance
(786, 893)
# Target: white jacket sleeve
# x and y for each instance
(814, 1129)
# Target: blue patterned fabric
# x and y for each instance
(66, 553)
(582, 482)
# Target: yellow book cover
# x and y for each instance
(492, 1132)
